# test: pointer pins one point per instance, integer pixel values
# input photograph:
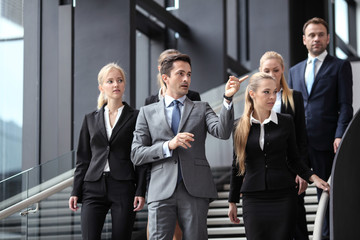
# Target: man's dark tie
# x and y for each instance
(176, 115)
(175, 120)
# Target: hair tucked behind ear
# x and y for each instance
(102, 99)
(287, 95)
(243, 127)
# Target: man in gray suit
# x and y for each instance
(171, 136)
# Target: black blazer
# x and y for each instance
(300, 127)
(328, 108)
(94, 149)
(192, 95)
(274, 167)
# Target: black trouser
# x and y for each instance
(101, 196)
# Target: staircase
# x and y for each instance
(56, 221)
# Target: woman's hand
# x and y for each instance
(302, 184)
(320, 183)
(73, 203)
(138, 203)
(232, 213)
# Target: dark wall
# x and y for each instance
(49, 116)
(47, 129)
(31, 111)
(104, 32)
(299, 13)
(206, 45)
(268, 31)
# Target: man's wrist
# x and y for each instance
(228, 98)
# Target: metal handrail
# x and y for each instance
(36, 189)
(320, 214)
(36, 198)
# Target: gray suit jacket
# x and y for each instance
(152, 130)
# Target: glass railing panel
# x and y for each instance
(13, 190)
(54, 220)
(35, 180)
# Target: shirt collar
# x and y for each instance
(320, 58)
(273, 118)
(169, 100)
(107, 109)
(160, 96)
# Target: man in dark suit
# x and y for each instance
(326, 85)
(170, 134)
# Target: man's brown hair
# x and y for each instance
(316, 20)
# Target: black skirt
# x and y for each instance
(270, 215)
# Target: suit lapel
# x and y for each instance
(325, 65)
(302, 76)
(188, 106)
(125, 115)
(101, 122)
(160, 111)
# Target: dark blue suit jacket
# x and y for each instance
(328, 108)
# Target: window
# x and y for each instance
(11, 86)
(341, 20)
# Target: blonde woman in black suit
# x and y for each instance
(265, 164)
(105, 178)
(290, 102)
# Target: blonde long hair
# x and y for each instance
(287, 94)
(243, 127)
(102, 99)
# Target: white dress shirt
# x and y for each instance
(109, 128)
(160, 96)
(277, 105)
(272, 117)
(318, 64)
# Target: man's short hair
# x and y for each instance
(167, 64)
(316, 20)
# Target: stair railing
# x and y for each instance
(320, 214)
(35, 199)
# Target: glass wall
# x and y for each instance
(11, 86)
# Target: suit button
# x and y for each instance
(175, 162)
(265, 154)
(265, 166)
(108, 148)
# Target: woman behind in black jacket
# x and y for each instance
(105, 178)
(265, 164)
